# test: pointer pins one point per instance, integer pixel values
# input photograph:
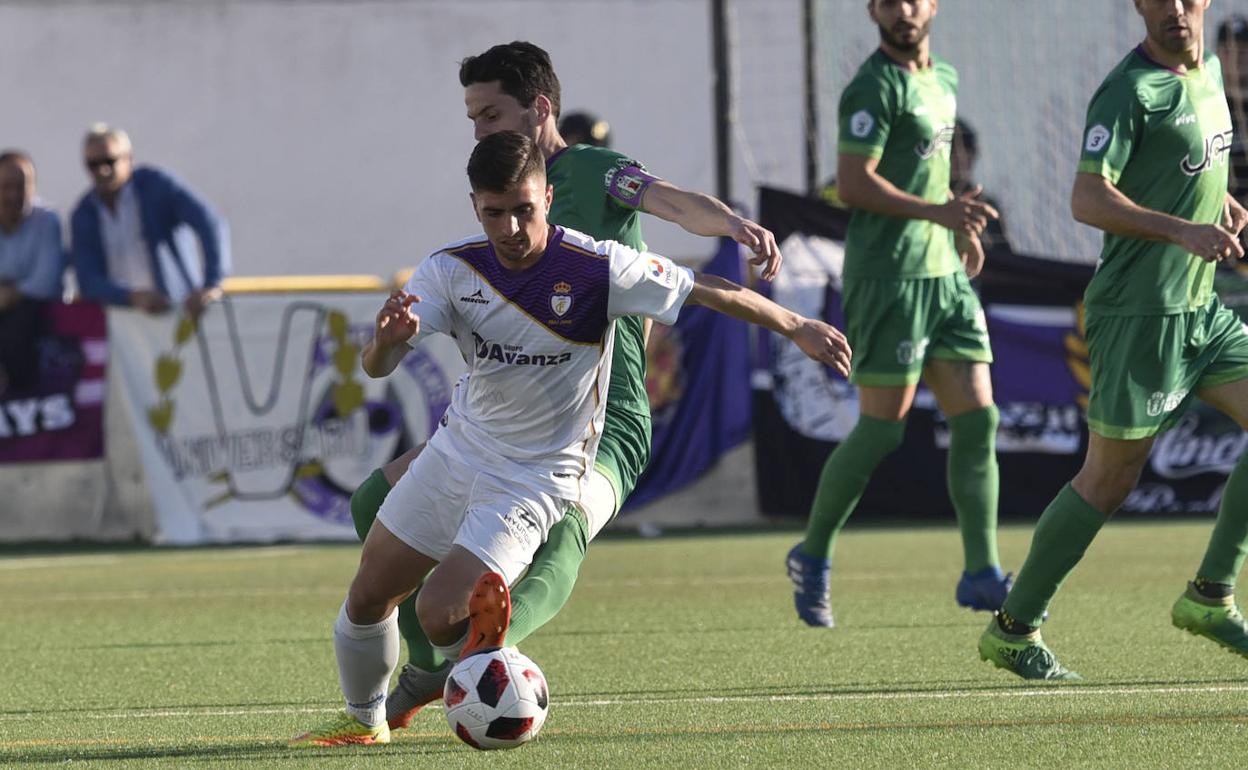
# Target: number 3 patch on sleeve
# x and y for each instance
(1098, 138)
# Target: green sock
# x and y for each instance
(973, 484)
(420, 651)
(1064, 532)
(844, 477)
(364, 506)
(1225, 555)
(545, 588)
(367, 501)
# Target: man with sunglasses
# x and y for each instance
(131, 234)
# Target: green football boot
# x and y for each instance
(1023, 654)
(1218, 620)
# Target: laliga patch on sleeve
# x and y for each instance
(662, 270)
(861, 123)
(1098, 138)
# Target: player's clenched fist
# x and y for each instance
(1210, 242)
(966, 214)
(396, 321)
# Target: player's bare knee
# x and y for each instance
(440, 616)
(365, 607)
(1106, 488)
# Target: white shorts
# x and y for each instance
(597, 503)
(441, 501)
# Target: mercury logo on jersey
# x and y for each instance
(506, 353)
(1217, 148)
(942, 140)
(476, 297)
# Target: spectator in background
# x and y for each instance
(963, 154)
(1232, 50)
(585, 128)
(32, 262)
(131, 233)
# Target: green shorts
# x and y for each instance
(894, 325)
(1146, 368)
(623, 450)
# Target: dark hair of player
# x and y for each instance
(522, 70)
(502, 161)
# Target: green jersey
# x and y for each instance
(1163, 139)
(905, 119)
(598, 192)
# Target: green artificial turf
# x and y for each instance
(678, 652)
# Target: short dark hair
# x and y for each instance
(592, 129)
(1233, 28)
(503, 160)
(522, 70)
(17, 156)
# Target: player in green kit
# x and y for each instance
(1153, 176)
(599, 192)
(909, 308)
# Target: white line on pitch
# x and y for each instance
(1041, 692)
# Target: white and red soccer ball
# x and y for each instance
(496, 699)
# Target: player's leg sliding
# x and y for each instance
(1012, 639)
(489, 614)
(537, 598)
(545, 588)
(367, 655)
(423, 676)
(1207, 608)
(973, 480)
(841, 484)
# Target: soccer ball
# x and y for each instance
(496, 699)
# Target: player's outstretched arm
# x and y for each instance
(1096, 202)
(861, 187)
(396, 324)
(701, 214)
(819, 340)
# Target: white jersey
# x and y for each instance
(538, 346)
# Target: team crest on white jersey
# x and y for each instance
(561, 300)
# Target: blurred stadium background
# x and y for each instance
(331, 135)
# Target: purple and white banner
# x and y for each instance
(56, 413)
(258, 424)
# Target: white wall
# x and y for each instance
(1027, 69)
(332, 133)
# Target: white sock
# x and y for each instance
(451, 651)
(367, 656)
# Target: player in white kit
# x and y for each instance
(532, 308)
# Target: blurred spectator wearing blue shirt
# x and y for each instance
(32, 265)
(132, 236)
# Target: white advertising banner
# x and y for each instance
(257, 425)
